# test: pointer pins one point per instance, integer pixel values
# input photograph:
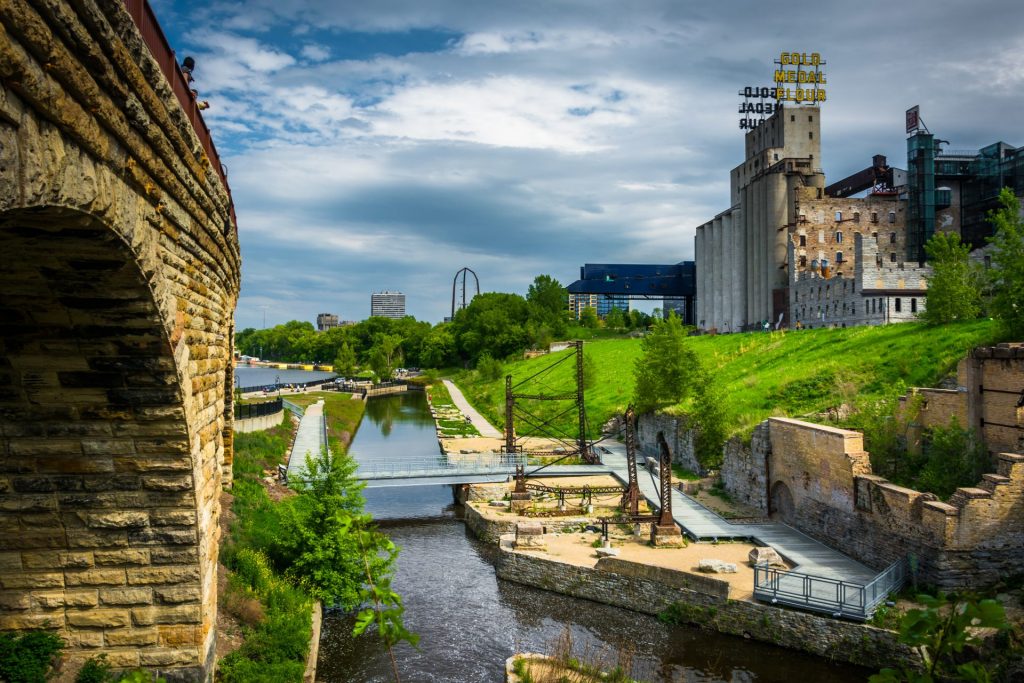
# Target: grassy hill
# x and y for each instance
(794, 373)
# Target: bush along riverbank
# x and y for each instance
(286, 550)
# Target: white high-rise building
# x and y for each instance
(387, 304)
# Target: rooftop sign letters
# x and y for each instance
(798, 78)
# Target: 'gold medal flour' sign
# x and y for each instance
(798, 78)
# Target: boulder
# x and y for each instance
(607, 552)
(766, 554)
(716, 567)
(530, 535)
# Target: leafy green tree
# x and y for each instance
(940, 633)
(663, 370)
(616, 319)
(494, 323)
(954, 457)
(345, 362)
(489, 368)
(954, 288)
(588, 318)
(1007, 272)
(548, 303)
(385, 355)
(438, 349)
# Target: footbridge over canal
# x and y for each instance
(119, 278)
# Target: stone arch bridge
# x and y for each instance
(119, 274)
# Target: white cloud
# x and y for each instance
(316, 53)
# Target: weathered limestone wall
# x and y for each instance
(821, 483)
(678, 436)
(994, 379)
(651, 590)
(745, 468)
(120, 276)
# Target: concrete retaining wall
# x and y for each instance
(258, 424)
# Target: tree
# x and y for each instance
(548, 296)
(588, 317)
(345, 363)
(385, 355)
(940, 633)
(616, 319)
(953, 288)
(1007, 272)
(663, 370)
(494, 323)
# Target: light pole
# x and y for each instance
(277, 383)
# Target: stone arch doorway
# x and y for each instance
(783, 509)
(99, 504)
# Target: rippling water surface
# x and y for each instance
(469, 621)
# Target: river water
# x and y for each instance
(248, 376)
(469, 621)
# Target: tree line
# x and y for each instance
(495, 325)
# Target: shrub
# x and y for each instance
(27, 658)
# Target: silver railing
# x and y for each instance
(831, 596)
(298, 410)
(440, 465)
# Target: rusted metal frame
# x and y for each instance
(631, 494)
(665, 479)
(585, 452)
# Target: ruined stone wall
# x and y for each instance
(651, 590)
(120, 276)
(679, 437)
(994, 380)
(821, 483)
(745, 468)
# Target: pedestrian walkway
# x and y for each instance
(310, 438)
(699, 523)
(481, 424)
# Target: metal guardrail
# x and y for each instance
(288, 405)
(323, 431)
(440, 466)
(830, 596)
(249, 410)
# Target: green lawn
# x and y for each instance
(796, 373)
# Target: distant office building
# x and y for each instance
(326, 321)
(387, 304)
(601, 303)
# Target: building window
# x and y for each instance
(810, 135)
(874, 216)
(872, 305)
(776, 155)
(856, 216)
(792, 117)
(839, 257)
(839, 216)
(839, 237)
(988, 261)
(865, 307)
(892, 238)
(803, 261)
(892, 216)
(899, 304)
(803, 241)
(821, 237)
(810, 119)
(913, 305)
(892, 257)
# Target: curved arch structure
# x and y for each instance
(455, 281)
(119, 277)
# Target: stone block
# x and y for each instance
(716, 567)
(165, 517)
(131, 636)
(57, 599)
(95, 577)
(30, 622)
(114, 520)
(16, 580)
(181, 614)
(530, 535)
(767, 554)
(119, 557)
(177, 594)
(167, 657)
(179, 636)
(126, 596)
(99, 618)
(168, 482)
(14, 600)
(158, 575)
(10, 562)
(85, 639)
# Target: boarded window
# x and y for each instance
(892, 216)
(898, 305)
(913, 305)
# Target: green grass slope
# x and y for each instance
(794, 373)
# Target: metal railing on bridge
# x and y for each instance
(440, 466)
(830, 596)
(296, 409)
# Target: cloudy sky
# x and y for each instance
(385, 144)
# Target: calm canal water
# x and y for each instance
(469, 621)
(248, 376)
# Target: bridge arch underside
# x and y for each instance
(98, 508)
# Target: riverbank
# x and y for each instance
(663, 582)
